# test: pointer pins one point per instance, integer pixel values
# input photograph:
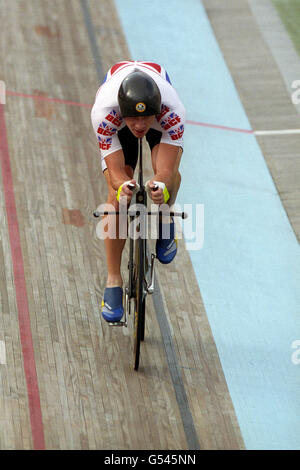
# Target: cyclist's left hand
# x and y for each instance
(157, 191)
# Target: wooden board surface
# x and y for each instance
(91, 398)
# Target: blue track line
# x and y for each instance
(249, 268)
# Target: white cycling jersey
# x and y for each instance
(106, 116)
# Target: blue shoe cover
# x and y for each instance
(112, 304)
(166, 248)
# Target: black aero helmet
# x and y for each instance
(139, 95)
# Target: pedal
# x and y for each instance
(118, 323)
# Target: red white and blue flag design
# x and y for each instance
(171, 120)
(152, 66)
(106, 130)
(177, 133)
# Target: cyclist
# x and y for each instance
(137, 99)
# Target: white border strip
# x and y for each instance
(278, 132)
(2, 353)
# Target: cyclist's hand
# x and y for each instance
(126, 189)
(157, 191)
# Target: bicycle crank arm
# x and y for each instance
(150, 287)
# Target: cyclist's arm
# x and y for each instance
(166, 164)
(115, 163)
(118, 175)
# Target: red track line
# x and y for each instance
(85, 105)
(224, 128)
(46, 98)
(37, 429)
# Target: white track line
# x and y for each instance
(2, 353)
(278, 132)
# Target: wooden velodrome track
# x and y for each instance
(67, 380)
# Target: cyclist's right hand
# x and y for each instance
(126, 189)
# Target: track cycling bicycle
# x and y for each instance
(140, 264)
